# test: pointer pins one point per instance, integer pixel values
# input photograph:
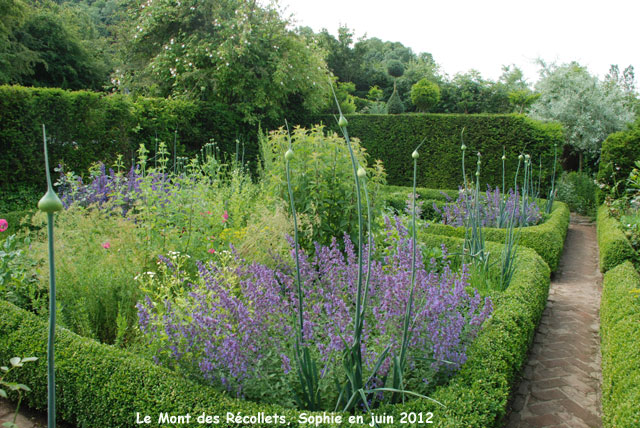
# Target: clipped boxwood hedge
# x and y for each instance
(101, 386)
(392, 138)
(547, 239)
(620, 330)
(615, 248)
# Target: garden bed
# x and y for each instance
(547, 239)
(99, 385)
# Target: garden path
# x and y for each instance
(561, 382)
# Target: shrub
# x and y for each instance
(618, 154)
(395, 68)
(321, 179)
(394, 104)
(425, 95)
(578, 191)
(619, 329)
(614, 246)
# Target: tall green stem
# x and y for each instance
(51, 377)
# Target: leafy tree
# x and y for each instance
(375, 93)
(47, 44)
(425, 94)
(63, 61)
(624, 82)
(15, 59)
(589, 111)
(231, 51)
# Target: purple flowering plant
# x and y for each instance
(232, 322)
(494, 207)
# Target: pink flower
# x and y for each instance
(212, 250)
(225, 216)
(4, 224)
(106, 245)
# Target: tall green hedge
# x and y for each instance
(619, 331)
(85, 127)
(614, 246)
(392, 138)
(101, 386)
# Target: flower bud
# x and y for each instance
(415, 154)
(50, 202)
(342, 122)
(477, 173)
(463, 147)
(288, 155)
(504, 157)
(361, 172)
(527, 157)
(520, 157)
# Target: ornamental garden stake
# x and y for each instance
(49, 204)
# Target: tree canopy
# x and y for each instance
(230, 51)
(588, 109)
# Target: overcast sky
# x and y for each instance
(486, 34)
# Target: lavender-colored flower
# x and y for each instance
(233, 323)
(495, 209)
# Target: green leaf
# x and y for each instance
(29, 359)
(15, 362)
(4, 369)
(3, 393)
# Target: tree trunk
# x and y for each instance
(580, 162)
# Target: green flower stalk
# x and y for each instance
(50, 203)
(306, 368)
(552, 192)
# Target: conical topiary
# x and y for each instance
(395, 105)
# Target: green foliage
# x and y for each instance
(13, 387)
(84, 127)
(587, 109)
(94, 284)
(546, 239)
(619, 330)
(395, 68)
(100, 385)
(394, 104)
(55, 45)
(619, 152)
(425, 95)
(233, 52)
(522, 100)
(321, 179)
(18, 279)
(578, 191)
(389, 138)
(615, 248)
(375, 93)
